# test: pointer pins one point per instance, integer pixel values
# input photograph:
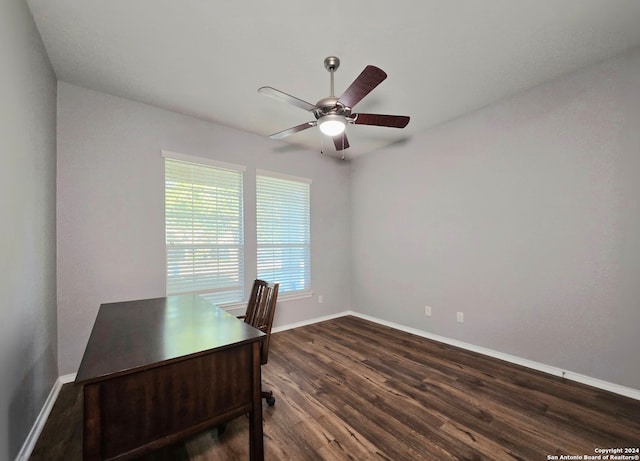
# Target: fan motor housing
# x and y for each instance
(330, 105)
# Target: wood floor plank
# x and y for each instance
(349, 389)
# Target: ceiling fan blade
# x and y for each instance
(368, 79)
(393, 121)
(295, 129)
(341, 142)
(281, 96)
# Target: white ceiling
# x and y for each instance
(443, 58)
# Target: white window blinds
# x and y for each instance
(283, 230)
(204, 230)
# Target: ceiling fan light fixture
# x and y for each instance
(332, 124)
(333, 113)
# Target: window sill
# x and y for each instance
(292, 296)
(281, 298)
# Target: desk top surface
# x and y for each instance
(134, 335)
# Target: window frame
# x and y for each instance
(283, 293)
(209, 292)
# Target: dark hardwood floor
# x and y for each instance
(349, 389)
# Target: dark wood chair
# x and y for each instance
(260, 311)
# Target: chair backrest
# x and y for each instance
(260, 311)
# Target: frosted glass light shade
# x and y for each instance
(332, 125)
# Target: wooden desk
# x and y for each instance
(156, 371)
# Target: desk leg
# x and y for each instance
(256, 447)
(91, 428)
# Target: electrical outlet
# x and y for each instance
(320, 299)
(460, 317)
(427, 311)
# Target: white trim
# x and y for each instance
(66, 379)
(570, 375)
(30, 442)
(284, 297)
(239, 308)
(236, 310)
(311, 321)
(201, 160)
(288, 177)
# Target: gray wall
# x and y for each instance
(111, 208)
(525, 216)
(28, 365)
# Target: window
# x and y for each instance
(283, 230)
(204, 228)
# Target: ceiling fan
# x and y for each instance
(332, 114)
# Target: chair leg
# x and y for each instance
(268, 396)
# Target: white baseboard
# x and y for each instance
(71, 377)
(566, 374)
(311, 321)
(34, 433)
(32, 438)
